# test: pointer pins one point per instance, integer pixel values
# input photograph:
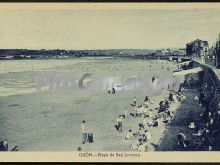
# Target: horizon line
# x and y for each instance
(94, 49)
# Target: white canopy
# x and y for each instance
(189, 71)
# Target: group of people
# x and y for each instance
(150, 119)
(208, 127)
(4, 145)
(141, 137)
(205, 130)
(112, 90)
(164, 111)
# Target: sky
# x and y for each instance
(106, 29)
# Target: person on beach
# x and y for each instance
(150, 122)
(135, 111)
(145, 110)
(153, 79)
(141, 147)
(206, 144)
(146, 98)
(2, 148)
(170, 114)
(119, 120)
(162, 107)
(202, 131)
(139, 111)
(181, 140)
(129, 135)
(109, 90)
(171, 98)
(5, 143)
(147, 135)
(113, 90)
(150, 113)
(146, 103)
(156, 122)
(144, 122)
(135, 101)
(84, 132)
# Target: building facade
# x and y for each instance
(197, 50)
(217, 52)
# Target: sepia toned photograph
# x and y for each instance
(97, 79)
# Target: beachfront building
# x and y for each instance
(162, 53)
(213, 57)
(217, 52)
(210, 58)
(197, 50)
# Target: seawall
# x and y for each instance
(210, 84)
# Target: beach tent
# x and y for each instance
(189, 71)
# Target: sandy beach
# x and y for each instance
(49, 120)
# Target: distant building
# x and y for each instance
(216, 52)
(210, 58)
(197, 50)
(159, 53)
(162, 52)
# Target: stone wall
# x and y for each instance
(211, 88)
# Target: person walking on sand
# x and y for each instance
(119, 120)
(84, 132)
(153, 79)
(135, 101)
